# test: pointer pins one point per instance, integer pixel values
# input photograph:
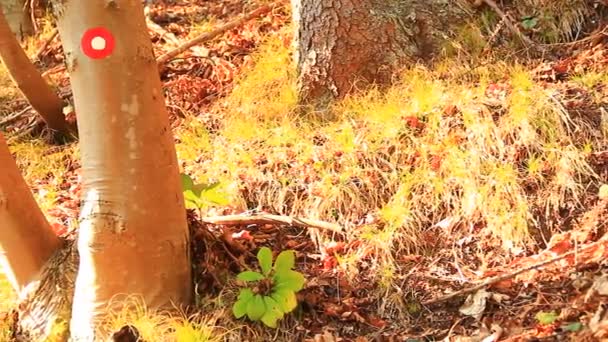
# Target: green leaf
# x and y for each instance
(272, 305)
(239, 309)
(187, 183)
(529, 23)
(272, 314)
(286, 299)
(289, 280)
(249, 276)
(265, 259)
(256, 308)
(286, 260)
(246, 294)
(216, 197)
(206, 187)
(189, 195)
(545, 318)
(573, 327)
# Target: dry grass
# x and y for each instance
(558, 19)
(390, 167)
(476, 164)
(156, 326)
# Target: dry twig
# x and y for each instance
(45, 45)
(7, 120)
(162, 60)
(510, 24)
(511, 275)
(272, 219)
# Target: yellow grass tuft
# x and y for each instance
(266, 90)
(156, 326)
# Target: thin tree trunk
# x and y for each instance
(341, 45)
(29, 81)
(133, 237)
(18, 17)
(26, 239)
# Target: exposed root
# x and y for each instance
(46, 304)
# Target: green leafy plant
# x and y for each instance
(199, 196)
(545, 318)
(529, 22)
(273, 290)
(573, 327)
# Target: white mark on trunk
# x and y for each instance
(114, 119)
(98, 43)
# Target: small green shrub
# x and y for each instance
(274, 289)
(198, 196)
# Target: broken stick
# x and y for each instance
(510, 24)
(258, 12)
(46, 44)
(511, 275)
(272, 219)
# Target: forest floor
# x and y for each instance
(473, 171)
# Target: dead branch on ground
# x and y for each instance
(258, 12)
(497, 279)
(272, 219)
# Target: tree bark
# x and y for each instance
(18, 18)
(343, 44)
(29, 81)
(133, 237)
(26, 238)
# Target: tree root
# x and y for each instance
(45, 306)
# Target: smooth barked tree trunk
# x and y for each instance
(26, 238)
(29, 81)
(133, 235)
(39, 265)
(342, 45)
(18, 17)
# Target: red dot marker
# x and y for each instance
(97, 43)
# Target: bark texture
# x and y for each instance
(339, 43)
(26, 239)
(29, 81)
(133, 236)
(18, 17)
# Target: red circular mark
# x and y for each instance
(97, 43)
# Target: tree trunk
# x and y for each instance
(133, 236)
(339, 43)
(29, 81)
(18, 17)
(26, 239)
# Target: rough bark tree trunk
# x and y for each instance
(29, 81)
(133, 237)
(18, 17)
(339, 43)
(26, 239)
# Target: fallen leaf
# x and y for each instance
(475, 304)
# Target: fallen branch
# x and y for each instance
(527, 41)
(7, 120)
(47, 42)
(511, 275)
(272, 219)
(258, 12)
